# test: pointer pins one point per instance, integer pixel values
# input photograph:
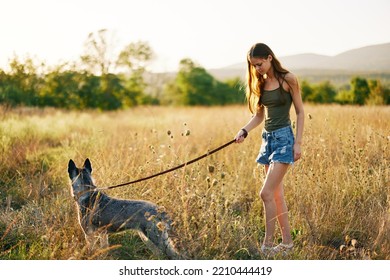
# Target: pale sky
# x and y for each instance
(213, 33)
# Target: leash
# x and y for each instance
(174, 168)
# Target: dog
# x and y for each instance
(100, 214)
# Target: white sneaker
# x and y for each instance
(266, 250)
(285, 249)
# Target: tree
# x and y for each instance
(198, 86)
(98, 57)
(112, 92)
(360, 90)
(192, 85)
(60, 89)
(21, 85)
(120, 90)
(306, 90)
(377, 93)
(135, 56)
(321, 93)
(344, 96)
(386, 95)
(232, 91)
(326, 92)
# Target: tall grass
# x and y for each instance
(338, 194)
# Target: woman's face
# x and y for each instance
(262, 65)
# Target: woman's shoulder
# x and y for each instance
(291, 82)
(290, 78)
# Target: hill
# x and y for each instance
(370, 60)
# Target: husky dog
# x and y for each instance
(100, 214)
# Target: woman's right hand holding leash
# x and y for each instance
(241, 135)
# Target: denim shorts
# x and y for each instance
(277, 146)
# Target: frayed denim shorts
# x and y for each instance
(277, 146)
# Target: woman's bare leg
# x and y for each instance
(282, 212)
(275, 173)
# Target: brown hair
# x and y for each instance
(255, 81)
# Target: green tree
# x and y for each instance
(306, 90)
(60, 89)
(386, 95)
(231, 91)
(21, 85)
(377, 93)
(134, 58)
(360, 90)
(344, 96)
(198, 86)
(193, 85)
(122, 90)
(326, 92)
(89, 90)
(321, 93)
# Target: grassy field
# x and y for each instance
(338, 194)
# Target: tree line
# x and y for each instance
(359, 91)
(101, 80)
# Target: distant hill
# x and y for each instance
(366, 60)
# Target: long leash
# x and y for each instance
(171, 169)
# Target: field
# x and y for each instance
(338, 194)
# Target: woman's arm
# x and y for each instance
(253, 123)
(298, 105)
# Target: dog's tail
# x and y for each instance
(161, 234)
(169, 248)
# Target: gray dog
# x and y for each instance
(100, 214)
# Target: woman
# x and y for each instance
(271, 90)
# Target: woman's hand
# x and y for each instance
(297, 151)
(241, 135)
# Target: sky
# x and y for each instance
(213, 33)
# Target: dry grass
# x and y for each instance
(338, 195)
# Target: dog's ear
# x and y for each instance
(72, 169)
(87, 165)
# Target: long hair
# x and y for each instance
(255, 81)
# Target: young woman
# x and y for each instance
(271, 90)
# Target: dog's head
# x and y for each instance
(81, 178)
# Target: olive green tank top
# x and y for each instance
(277, 105)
